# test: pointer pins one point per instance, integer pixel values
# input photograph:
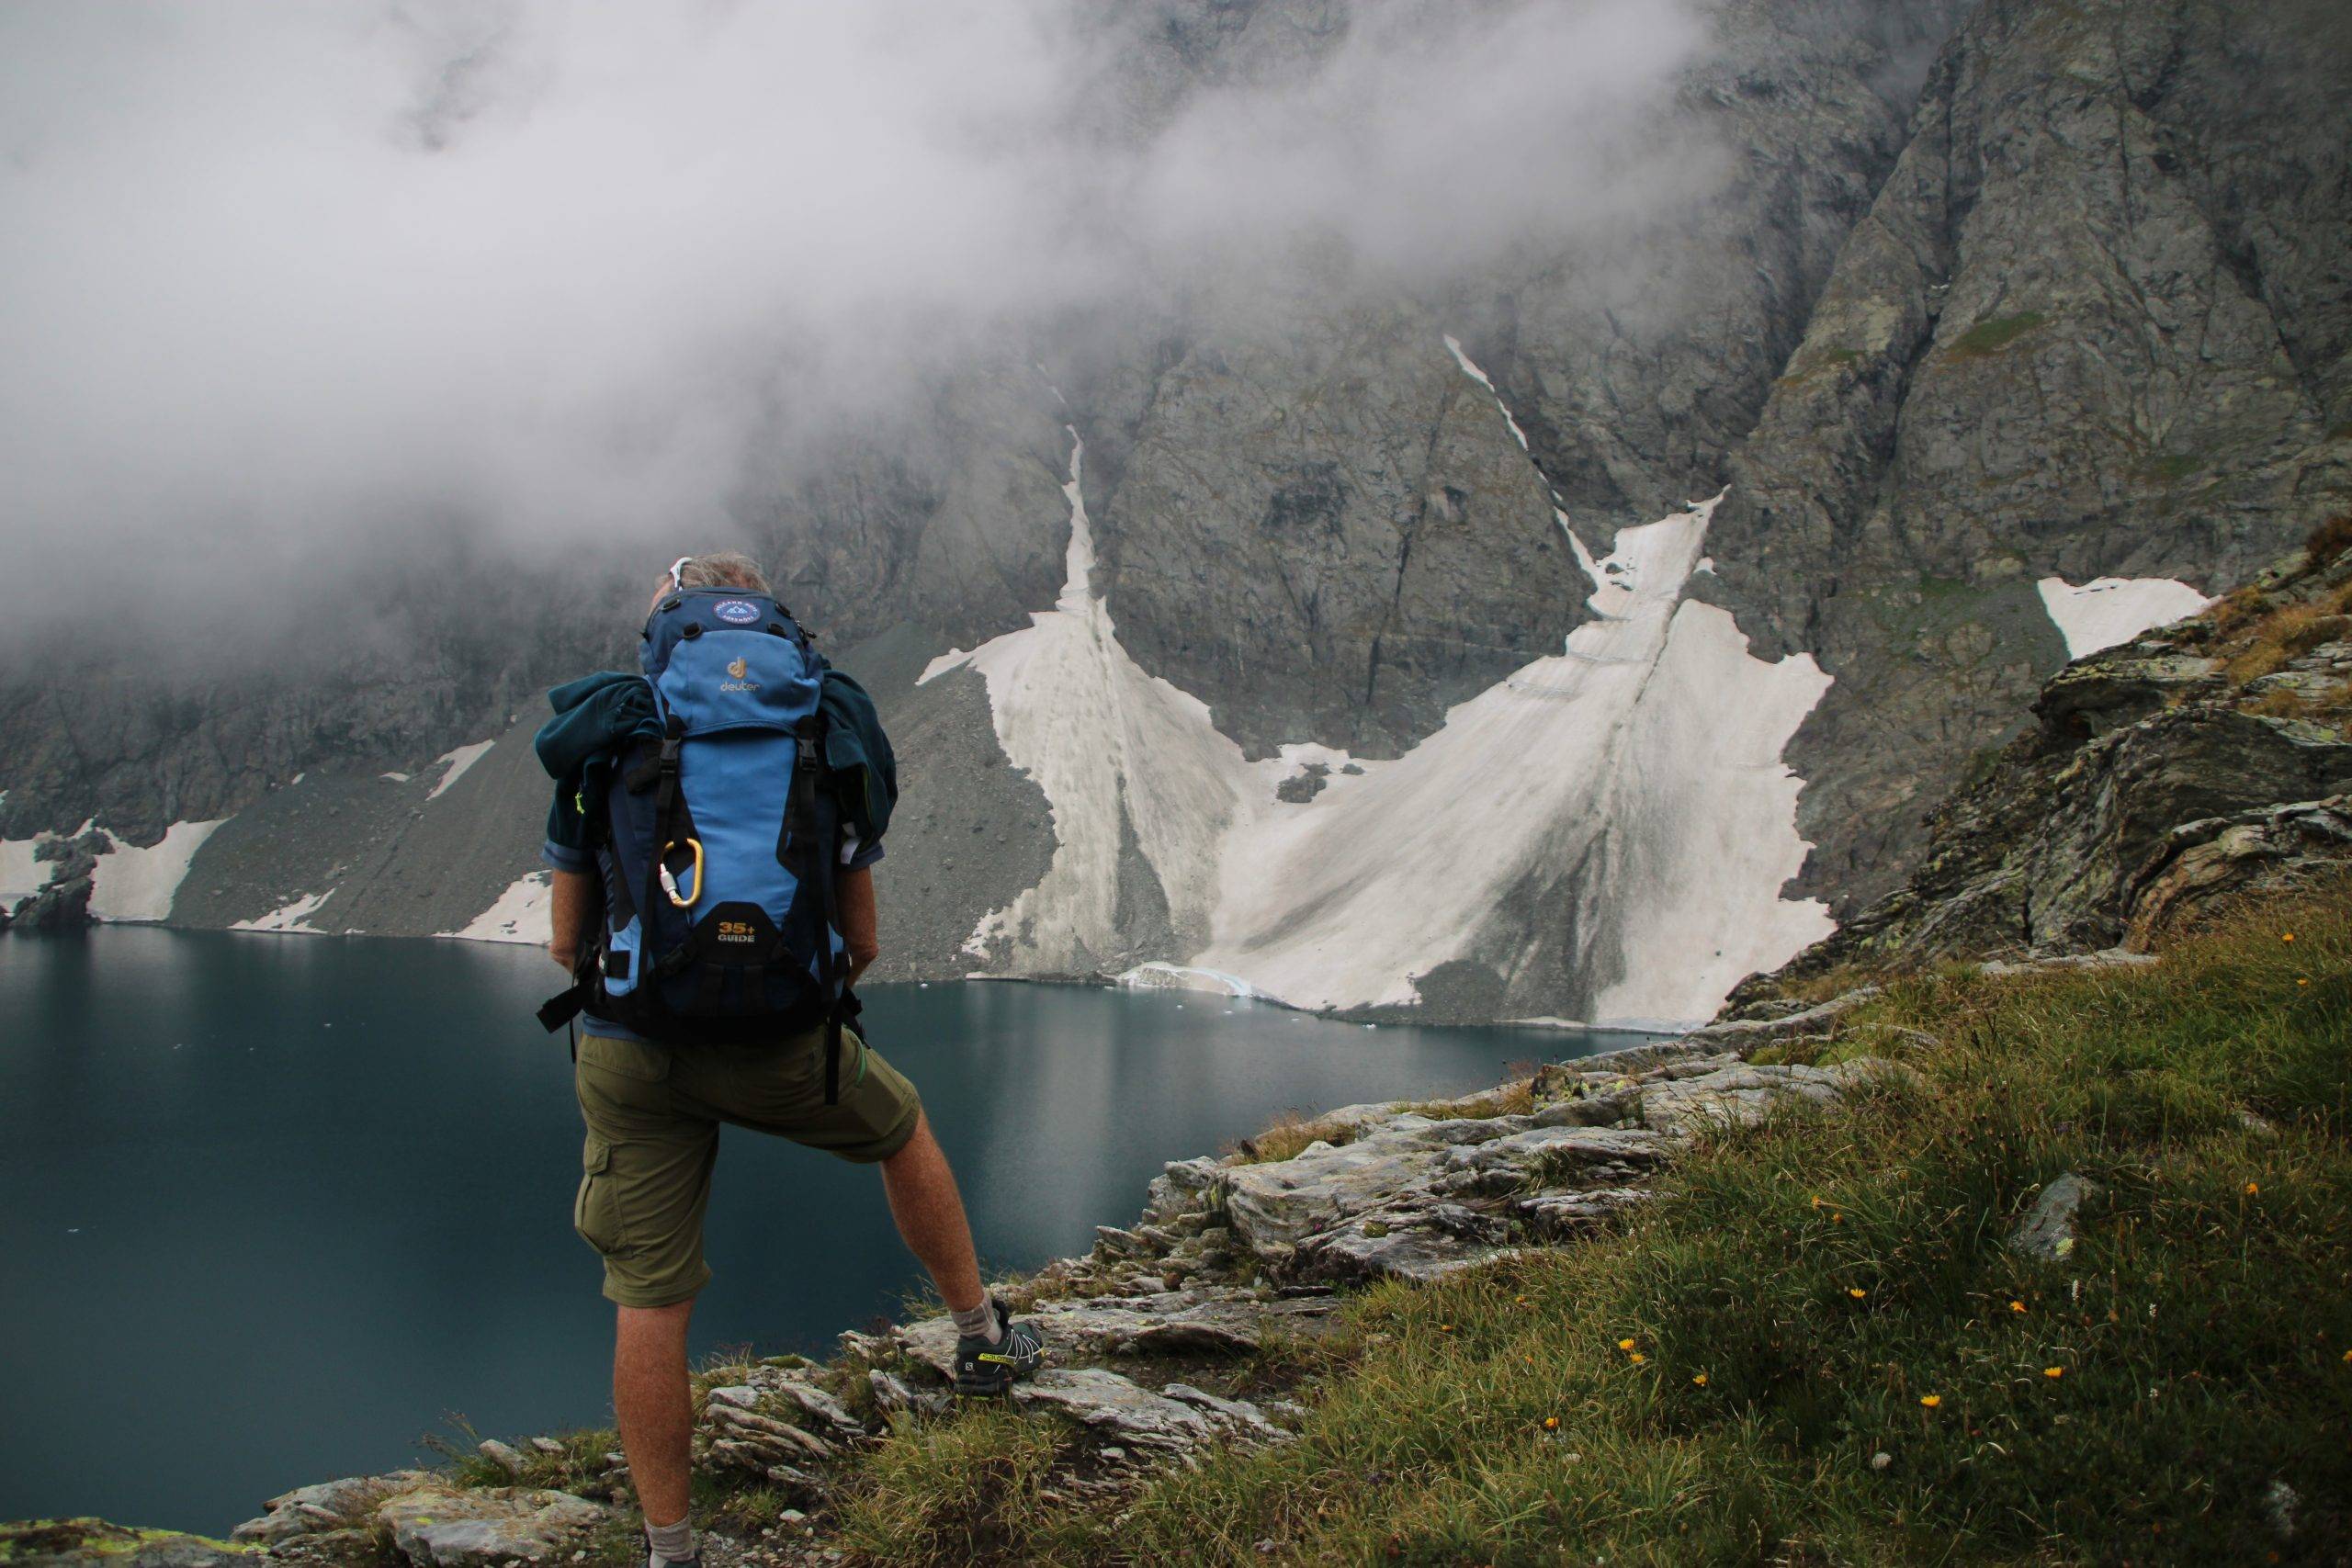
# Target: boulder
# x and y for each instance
(2047, 1232)
(443, 1527)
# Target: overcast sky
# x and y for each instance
(277, 276)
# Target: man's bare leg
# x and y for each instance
(930, 1213)
(655, 1407)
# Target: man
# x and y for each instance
(653, 1110)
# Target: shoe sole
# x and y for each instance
(1000, 1381)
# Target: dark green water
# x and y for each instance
(275, 1208)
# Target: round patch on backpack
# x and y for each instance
(736, 612)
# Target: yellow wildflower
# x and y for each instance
(1625, 1344)
(2054, 1371)
(1816, 1201)
(1837, 1219)
(1931, 1400)
(1701, 1379)
(1856, 1291)
(2286, 936)
(1551, 1423)
(2252, 1189)
(2016, 1306)
(1637, 1358)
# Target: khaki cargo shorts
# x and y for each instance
(653, 1113)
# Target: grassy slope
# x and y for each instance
(1803, 1291)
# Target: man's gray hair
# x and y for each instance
(724, 569)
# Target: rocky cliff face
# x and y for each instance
(1986, 294)
(2092, 325)
(2160, 778)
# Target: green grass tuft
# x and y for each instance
(1995, 334)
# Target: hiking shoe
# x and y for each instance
(983, 1369)
(655, 1559)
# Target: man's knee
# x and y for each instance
(920, 1147)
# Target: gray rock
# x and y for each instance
(330, 1505)
(1731, 1097)
(1120, 1410)
(1215, 1320)
(1419, 1242)
(2048, 1230)
(753, 1439)
(94, 1543)
(1561, 1216)
(439, 1526)
(1238, 1416)
(1114, 1409)
(892, 1393)
(501, 1455)
(815, 1401)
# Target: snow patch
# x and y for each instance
(293, 918)
(523, 914)
(130, 882)
(2112, 610)
(396, 778)
(22, 874)
(1631, 782)
(1107, 743)
(1636, 775)
(135, 884)
(458, 761)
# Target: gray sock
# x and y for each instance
(672, 1544)
(979, 1320)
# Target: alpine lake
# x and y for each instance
(278, 1209)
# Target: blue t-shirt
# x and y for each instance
(567, 849)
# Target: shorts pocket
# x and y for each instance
(595, 1215)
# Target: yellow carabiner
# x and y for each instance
(695, 844)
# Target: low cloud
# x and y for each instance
(286, 281)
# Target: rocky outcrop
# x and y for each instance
(62, 902)
(81, 1543)
(2197, 764)
(423, 1519)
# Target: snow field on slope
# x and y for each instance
(130, 883)
(2112, 610)
(456, 763)
(1638, 769)
(292, 918)
(135, 884)
(523, 914)
(1104, 741)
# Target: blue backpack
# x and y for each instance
(720, 922)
